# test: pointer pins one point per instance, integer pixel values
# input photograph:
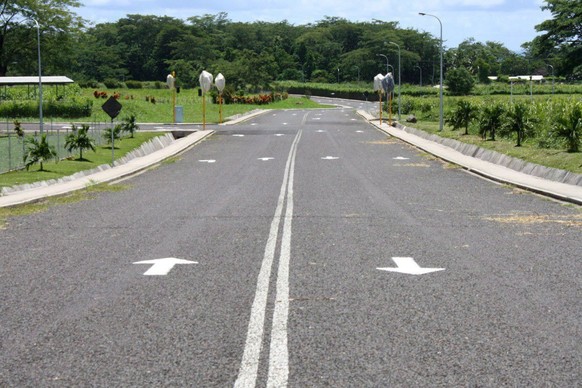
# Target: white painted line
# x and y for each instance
(330, 158)
(207, 161)
(359, 131)
(247, 376)
(238, 135)
(284, 123)
(279, 352)
(161, 267)
(401, 158)
(321, 131)
(265, 159)
(253, 123)
(279, 134)
(407, 265)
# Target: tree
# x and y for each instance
(80, 140)
(518, 120)
(129, 125)
(114, 133)
(462, 115)
(38, 152)
(561, 37)
(18, 30)
(490, 119)
(568, 126)
(459, 81)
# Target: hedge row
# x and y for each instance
(73, 108)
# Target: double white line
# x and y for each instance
(278, 354)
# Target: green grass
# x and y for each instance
(54, 170)
(138, 102)
(529, 152)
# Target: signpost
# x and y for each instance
(220, 82)
(171, 82)
(378, 88)
(112, 107)
(205, 85)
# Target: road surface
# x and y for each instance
(314, 251)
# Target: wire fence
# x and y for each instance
(13, 146)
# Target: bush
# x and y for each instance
(459, 81)
(111, 83)
(133, 84)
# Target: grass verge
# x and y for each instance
(555, 158)
(56, 170)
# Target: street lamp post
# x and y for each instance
(420, 69)
(387, 64)
(41, 124)
(552, 78)
(441, 80)
(338, 75)
(399, 77)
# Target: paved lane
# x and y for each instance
(288, 217)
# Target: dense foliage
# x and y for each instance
(147, 47)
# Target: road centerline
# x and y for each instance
(250, 362)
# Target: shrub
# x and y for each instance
(38, 152)
(134, 84)
(518, 119)
(111, 83)
(568, 126)
(459, 81)
(462, 116)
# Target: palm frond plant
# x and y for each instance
(568, 126)
(38, 152)
(462, 115)
(79, 139)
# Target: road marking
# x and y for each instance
(321, 131)
(265, 159)
(279, 134)
(278, 363)
(359, 131)
(238, 135)
(207, 161)
(407, 265)
(330, 158)
(161, 267)
(401, 158)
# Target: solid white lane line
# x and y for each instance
(247, 375)
(279, 352)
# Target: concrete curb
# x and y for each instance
(568, 192)
(148, 155)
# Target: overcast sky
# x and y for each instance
(511, 22)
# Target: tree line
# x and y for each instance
(147, 47)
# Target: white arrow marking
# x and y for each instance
(400, 158)
(265, 159)
(207, 161)
(163, 266)
(330, 158)
(408, 266)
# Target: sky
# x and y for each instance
(510, 22)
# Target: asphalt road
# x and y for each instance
(294, 220)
